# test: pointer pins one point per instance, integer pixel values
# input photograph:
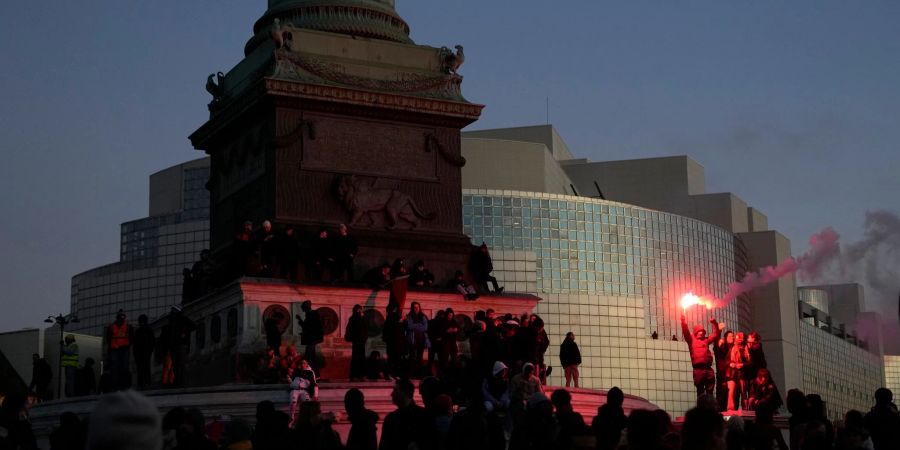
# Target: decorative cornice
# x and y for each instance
(308, 68)
(359, 97)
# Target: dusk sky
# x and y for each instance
(793, 106)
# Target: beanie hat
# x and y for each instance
(124, 420)
(498, 367)
(526, 366)
(698, 328)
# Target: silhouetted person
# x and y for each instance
(203, 274)
(345, 250)
(322, 257)
(243, 252)
(420, 277)
(645, 431)
(571, 423)
(570, 358)
(41, 374)
(86, 379)
(763, 393)
(287, 252)
(70, 363)
(796, 406)
(459, 283)
(394, 338)
(610, 420)
(119, 337)
(363, 422)
(17, 433)
(721, 350)
(267, 241)
(482, 266)
(271, 431)
(407, 425)
(313, 431)
(177, 341)
(144, 343)
(313, 334)
(702, 430)
(701, 357)
(357, 334)
(70, 435)
(817, 413)
(883, 421)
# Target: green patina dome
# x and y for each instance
(376, 19)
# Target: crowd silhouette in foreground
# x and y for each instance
(128, 420)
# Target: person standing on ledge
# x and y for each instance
(119, 336)
(313, 334)
(570, 358)
(345, 249)
(701, 357)
(144, 343)
(70, 363)
(357, 334)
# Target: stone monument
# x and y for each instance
(336, 116)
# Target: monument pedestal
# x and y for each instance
(230, 338)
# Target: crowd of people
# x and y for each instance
(124, 343)
(328, 256)
(489, 417)
(741, 380)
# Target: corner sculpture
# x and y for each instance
(452, 61)
(362, 198)
(217, 90)
(280, 37)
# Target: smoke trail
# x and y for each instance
(823, 250)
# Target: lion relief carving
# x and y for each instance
(363, 199)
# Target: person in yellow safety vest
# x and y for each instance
(70, 363)
(118, 342)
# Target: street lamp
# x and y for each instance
(62, 321)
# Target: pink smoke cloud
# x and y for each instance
(823, 250)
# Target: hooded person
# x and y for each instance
(496, 389)
(124, 420)
(701, 356)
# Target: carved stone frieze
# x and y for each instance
(374, 99)
(309, 68)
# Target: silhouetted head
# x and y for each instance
(615, 397)
(306, 306)
(354, 401)
(883, 396)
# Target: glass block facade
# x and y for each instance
(892, 374)
(591, 246)
(845, 375)
(613, 274)
(154, 251)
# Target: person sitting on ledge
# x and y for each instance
(420, 276)
(482, 266)
(304, 388)
(459, 283)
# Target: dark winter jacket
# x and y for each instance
(312, 329)
(357, 330)
(569, 355)
(362, 431)
(699, 348)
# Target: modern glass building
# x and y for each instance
(613, 274)
(154, 251)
